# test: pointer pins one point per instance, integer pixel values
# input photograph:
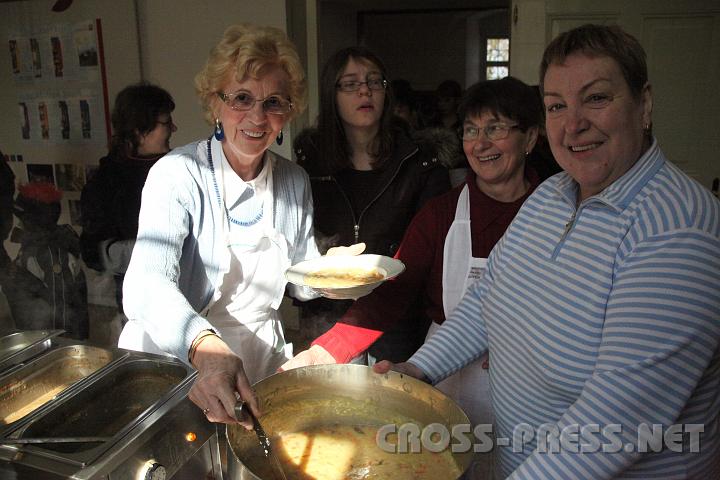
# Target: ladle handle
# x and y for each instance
(242, 412)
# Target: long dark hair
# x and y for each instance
(136, 110)
(334, 148)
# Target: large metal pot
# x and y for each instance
(303, 398)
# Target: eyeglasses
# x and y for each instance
(496, 131)
(243, 101)
(375, 83)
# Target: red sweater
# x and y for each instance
(421, 251)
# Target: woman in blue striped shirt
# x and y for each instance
(600, 307)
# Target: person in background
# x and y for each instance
(221, 220)
(447, 96)
(110, 201)
(368, 178)
(404, 102)
(7, 196)
(599, 307)
(443, 253)
(438, 142)
(46, 288)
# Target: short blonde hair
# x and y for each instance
(246, 50)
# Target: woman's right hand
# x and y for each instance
(405, 368)
(315, 355)
(221, 377)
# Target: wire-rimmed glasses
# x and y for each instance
(495, 131)
(373, 83)
(243, 101)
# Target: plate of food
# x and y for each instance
(345, 276)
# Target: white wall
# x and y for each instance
(527, 39)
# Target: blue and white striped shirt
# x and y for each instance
(602, 313)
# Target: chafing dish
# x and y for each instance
(18, 347)
(35, 384)
(131, 407)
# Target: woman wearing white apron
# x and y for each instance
(470, 386)
(220, 222)
(446, 245)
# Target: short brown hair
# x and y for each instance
(246, 50)
(136, 111)
(508, 96)
(600, 40)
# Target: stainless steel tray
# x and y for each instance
(111, 404)
(33, 385)
(21, 346)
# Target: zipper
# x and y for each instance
(356, 221)
(387, 185)
(568, 226)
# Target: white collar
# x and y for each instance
(234, 187)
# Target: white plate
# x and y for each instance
(388, 266)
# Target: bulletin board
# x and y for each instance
(58, 72)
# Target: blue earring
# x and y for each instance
(219, 132)
(279, 138)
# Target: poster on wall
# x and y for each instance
(58, 73)
(61, 118)
(67, 53)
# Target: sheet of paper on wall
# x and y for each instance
(57, 74)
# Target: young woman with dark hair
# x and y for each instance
(368, 178)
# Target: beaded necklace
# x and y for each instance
(242, 223)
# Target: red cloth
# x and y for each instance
(421, 251)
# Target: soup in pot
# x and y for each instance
(346, 452)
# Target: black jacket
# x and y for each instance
(407, 180)
(110, 206)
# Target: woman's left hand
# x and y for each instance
(221, 377)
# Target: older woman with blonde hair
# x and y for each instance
(221, 220)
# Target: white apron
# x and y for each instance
(470, 386)
(244, 305)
